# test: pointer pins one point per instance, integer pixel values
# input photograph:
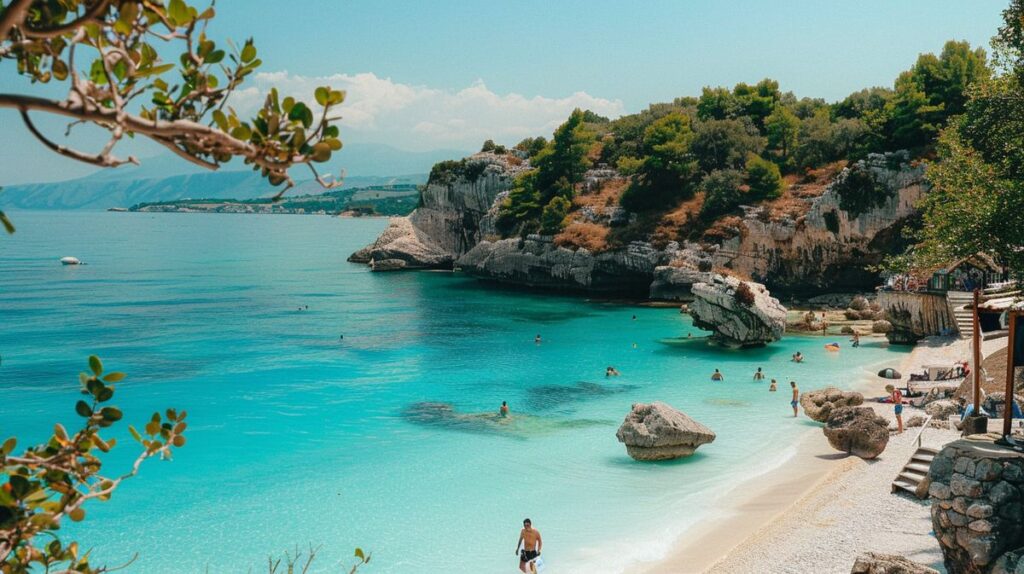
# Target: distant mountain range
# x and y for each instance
(167, 178)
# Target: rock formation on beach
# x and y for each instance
(977, 510)
(738, 313)
(875, 563)
(657, 431)
(858, 431)
(942, 409)
(447, 222)
(819, 404)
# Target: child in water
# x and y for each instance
(773, 386)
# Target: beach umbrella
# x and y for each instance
(890, 374)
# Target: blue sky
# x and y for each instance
(447, 74)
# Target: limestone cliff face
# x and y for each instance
(829, 247)
(447, 223)
(537, 262)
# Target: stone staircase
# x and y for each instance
(915, 470)
(959, 306)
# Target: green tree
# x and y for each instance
(932, 91)
(565, 157)
(129, 90)
(489, 145)
(553, 217)
(763, 178)
(817, 139)
(977, 199)
(532, 146)
(783, 129)
(722, 192)
(668, 169)
(725, 144)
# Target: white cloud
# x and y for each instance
(420, 117)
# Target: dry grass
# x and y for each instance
(606, 196)
(591, 236)
(799, 190)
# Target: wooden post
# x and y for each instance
(976, 327)
(1011, 320)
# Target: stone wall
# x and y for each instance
(915, 316)
(977, 511)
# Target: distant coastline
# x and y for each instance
(380, 200)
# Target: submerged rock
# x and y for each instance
(555, 396)
(858, 431)
(819, 404)
(657, 431)
(875, 563)
(739, 313)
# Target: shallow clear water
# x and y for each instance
(298, 437)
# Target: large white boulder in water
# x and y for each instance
(739, 313)
(657, 431)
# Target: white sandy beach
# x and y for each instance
(821, 509)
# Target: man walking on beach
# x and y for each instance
(529, 539)
(796, 398)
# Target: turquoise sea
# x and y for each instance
(299, 437)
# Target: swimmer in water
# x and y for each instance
(717, 376)
(536, 339)
(611, 372)
(503, 411)
(773, 387)
(759, 376)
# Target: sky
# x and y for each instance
(447, 74)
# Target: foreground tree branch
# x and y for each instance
(122, 89)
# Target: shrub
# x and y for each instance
(763, 178)
(722, 192)
(553, 217)
(744, 295)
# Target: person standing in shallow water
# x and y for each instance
(796, 398)
(717, 376)
(537, 339)
(529, 539)
(773, 387)
(503, 411)
(759, 376)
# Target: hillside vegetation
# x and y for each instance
(681, 170)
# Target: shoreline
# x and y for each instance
(747, 532)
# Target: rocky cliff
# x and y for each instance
(844, 230)
(537, 262)
(447, 222)
(915, 315)
(852, 224)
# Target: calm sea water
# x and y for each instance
(299, 437)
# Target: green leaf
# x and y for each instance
(321, 152)
(242, 132)
(95, 387)
(105, 395)
(112, 414)
(178, 12)
(135, 433)
(114, 377)
(96, 365)
(248, 52)
(359, 554)
(322, 95)
(215, 57)
(83, 409)
(8, 446)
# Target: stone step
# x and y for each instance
(927, 449)
(917, 467)
(910, 477)
(899, 485)
(925, 459)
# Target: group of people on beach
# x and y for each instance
(717, 376)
